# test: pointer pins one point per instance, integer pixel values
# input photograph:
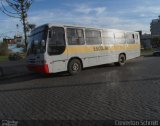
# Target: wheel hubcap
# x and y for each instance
(122, 59)
(75, 67)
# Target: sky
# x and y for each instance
(131, 15)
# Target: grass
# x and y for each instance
(3, 58)
(146, 52)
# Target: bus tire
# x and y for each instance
(74, 66)
(121, 60)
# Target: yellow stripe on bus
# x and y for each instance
(98, 48)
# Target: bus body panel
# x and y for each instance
(57, 63)
(37, 63)
(90, 55)
(85, 53)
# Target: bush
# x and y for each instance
(4, 48)
(16, 56)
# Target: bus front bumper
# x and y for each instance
(38, 68)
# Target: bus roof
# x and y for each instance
(79, 26)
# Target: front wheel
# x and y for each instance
(74, 66)
(121, 60)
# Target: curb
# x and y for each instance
(3, 78)
(12, 72)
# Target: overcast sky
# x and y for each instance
(129, 15)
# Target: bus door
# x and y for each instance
(57, 49)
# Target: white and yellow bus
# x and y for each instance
(57, 48)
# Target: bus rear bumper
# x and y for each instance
(39, 68)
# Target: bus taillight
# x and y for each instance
(39, 68)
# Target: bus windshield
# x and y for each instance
(37, 40)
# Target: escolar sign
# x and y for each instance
(100, 48)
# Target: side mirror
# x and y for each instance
(43, 43)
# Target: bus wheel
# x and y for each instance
(121, 60)
(74, 66)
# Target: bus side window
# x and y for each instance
(130, 38)
(136, 38)
(93, 37)
(57, 36)
(108, 37)
(119, 37)
(75, 36)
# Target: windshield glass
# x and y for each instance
(36, 39)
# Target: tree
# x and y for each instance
(17, 9)
(30, 27)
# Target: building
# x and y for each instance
(155, 32)
(19, 41)
(9, 40)
(146, 41)
(155, 27)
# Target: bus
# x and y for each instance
(57, 48)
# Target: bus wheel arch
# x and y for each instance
(121, 59)
(75, 65)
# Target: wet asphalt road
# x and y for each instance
(103, 92)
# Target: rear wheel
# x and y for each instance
(74, 67)
(121, 60)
